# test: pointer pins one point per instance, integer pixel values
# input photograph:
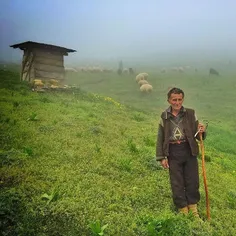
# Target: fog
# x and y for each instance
(151, 32)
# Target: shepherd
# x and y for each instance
(177, 150)
(120, 68)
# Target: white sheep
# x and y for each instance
(54, 82)
(146, 88)
(38, 83)
(71, 69)
(54, 86)
(141, 82)
(141, 76)
(187, 67)
(95, 69)
(125, 71)
(145, 75)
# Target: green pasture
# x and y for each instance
(81, 161)
(211, 96)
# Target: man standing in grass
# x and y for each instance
(177, 150)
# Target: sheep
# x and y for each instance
(141, 82)
(96, 69)
(145, 75)
(38, 83)
(213, 72)
(125, 71)
(141, 76)
(83, 69)
(71, 69)
(146, 88)
(54, 82)
(107, 70)
(54, 86)
(187, 67)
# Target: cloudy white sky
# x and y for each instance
(119, 28)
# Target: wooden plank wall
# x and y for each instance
(48, 65)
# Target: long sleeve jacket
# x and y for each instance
(190, 124)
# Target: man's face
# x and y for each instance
(176, 101)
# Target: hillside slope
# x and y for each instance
(74, 161)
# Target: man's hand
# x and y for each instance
(164, 163)
(201, 128)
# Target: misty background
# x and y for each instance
(147, 32)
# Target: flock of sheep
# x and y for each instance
(91, 69)
(142, 80)
(180, 69)
(39, 85)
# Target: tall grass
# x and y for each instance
(82, 162)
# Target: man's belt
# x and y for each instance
(178, 141)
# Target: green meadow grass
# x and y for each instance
(82, 162)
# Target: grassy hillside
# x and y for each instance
(82, 162)
(207, 94)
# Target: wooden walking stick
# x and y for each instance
(204, 176)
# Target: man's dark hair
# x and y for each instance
(175, 91)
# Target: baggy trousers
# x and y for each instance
(184, 176)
